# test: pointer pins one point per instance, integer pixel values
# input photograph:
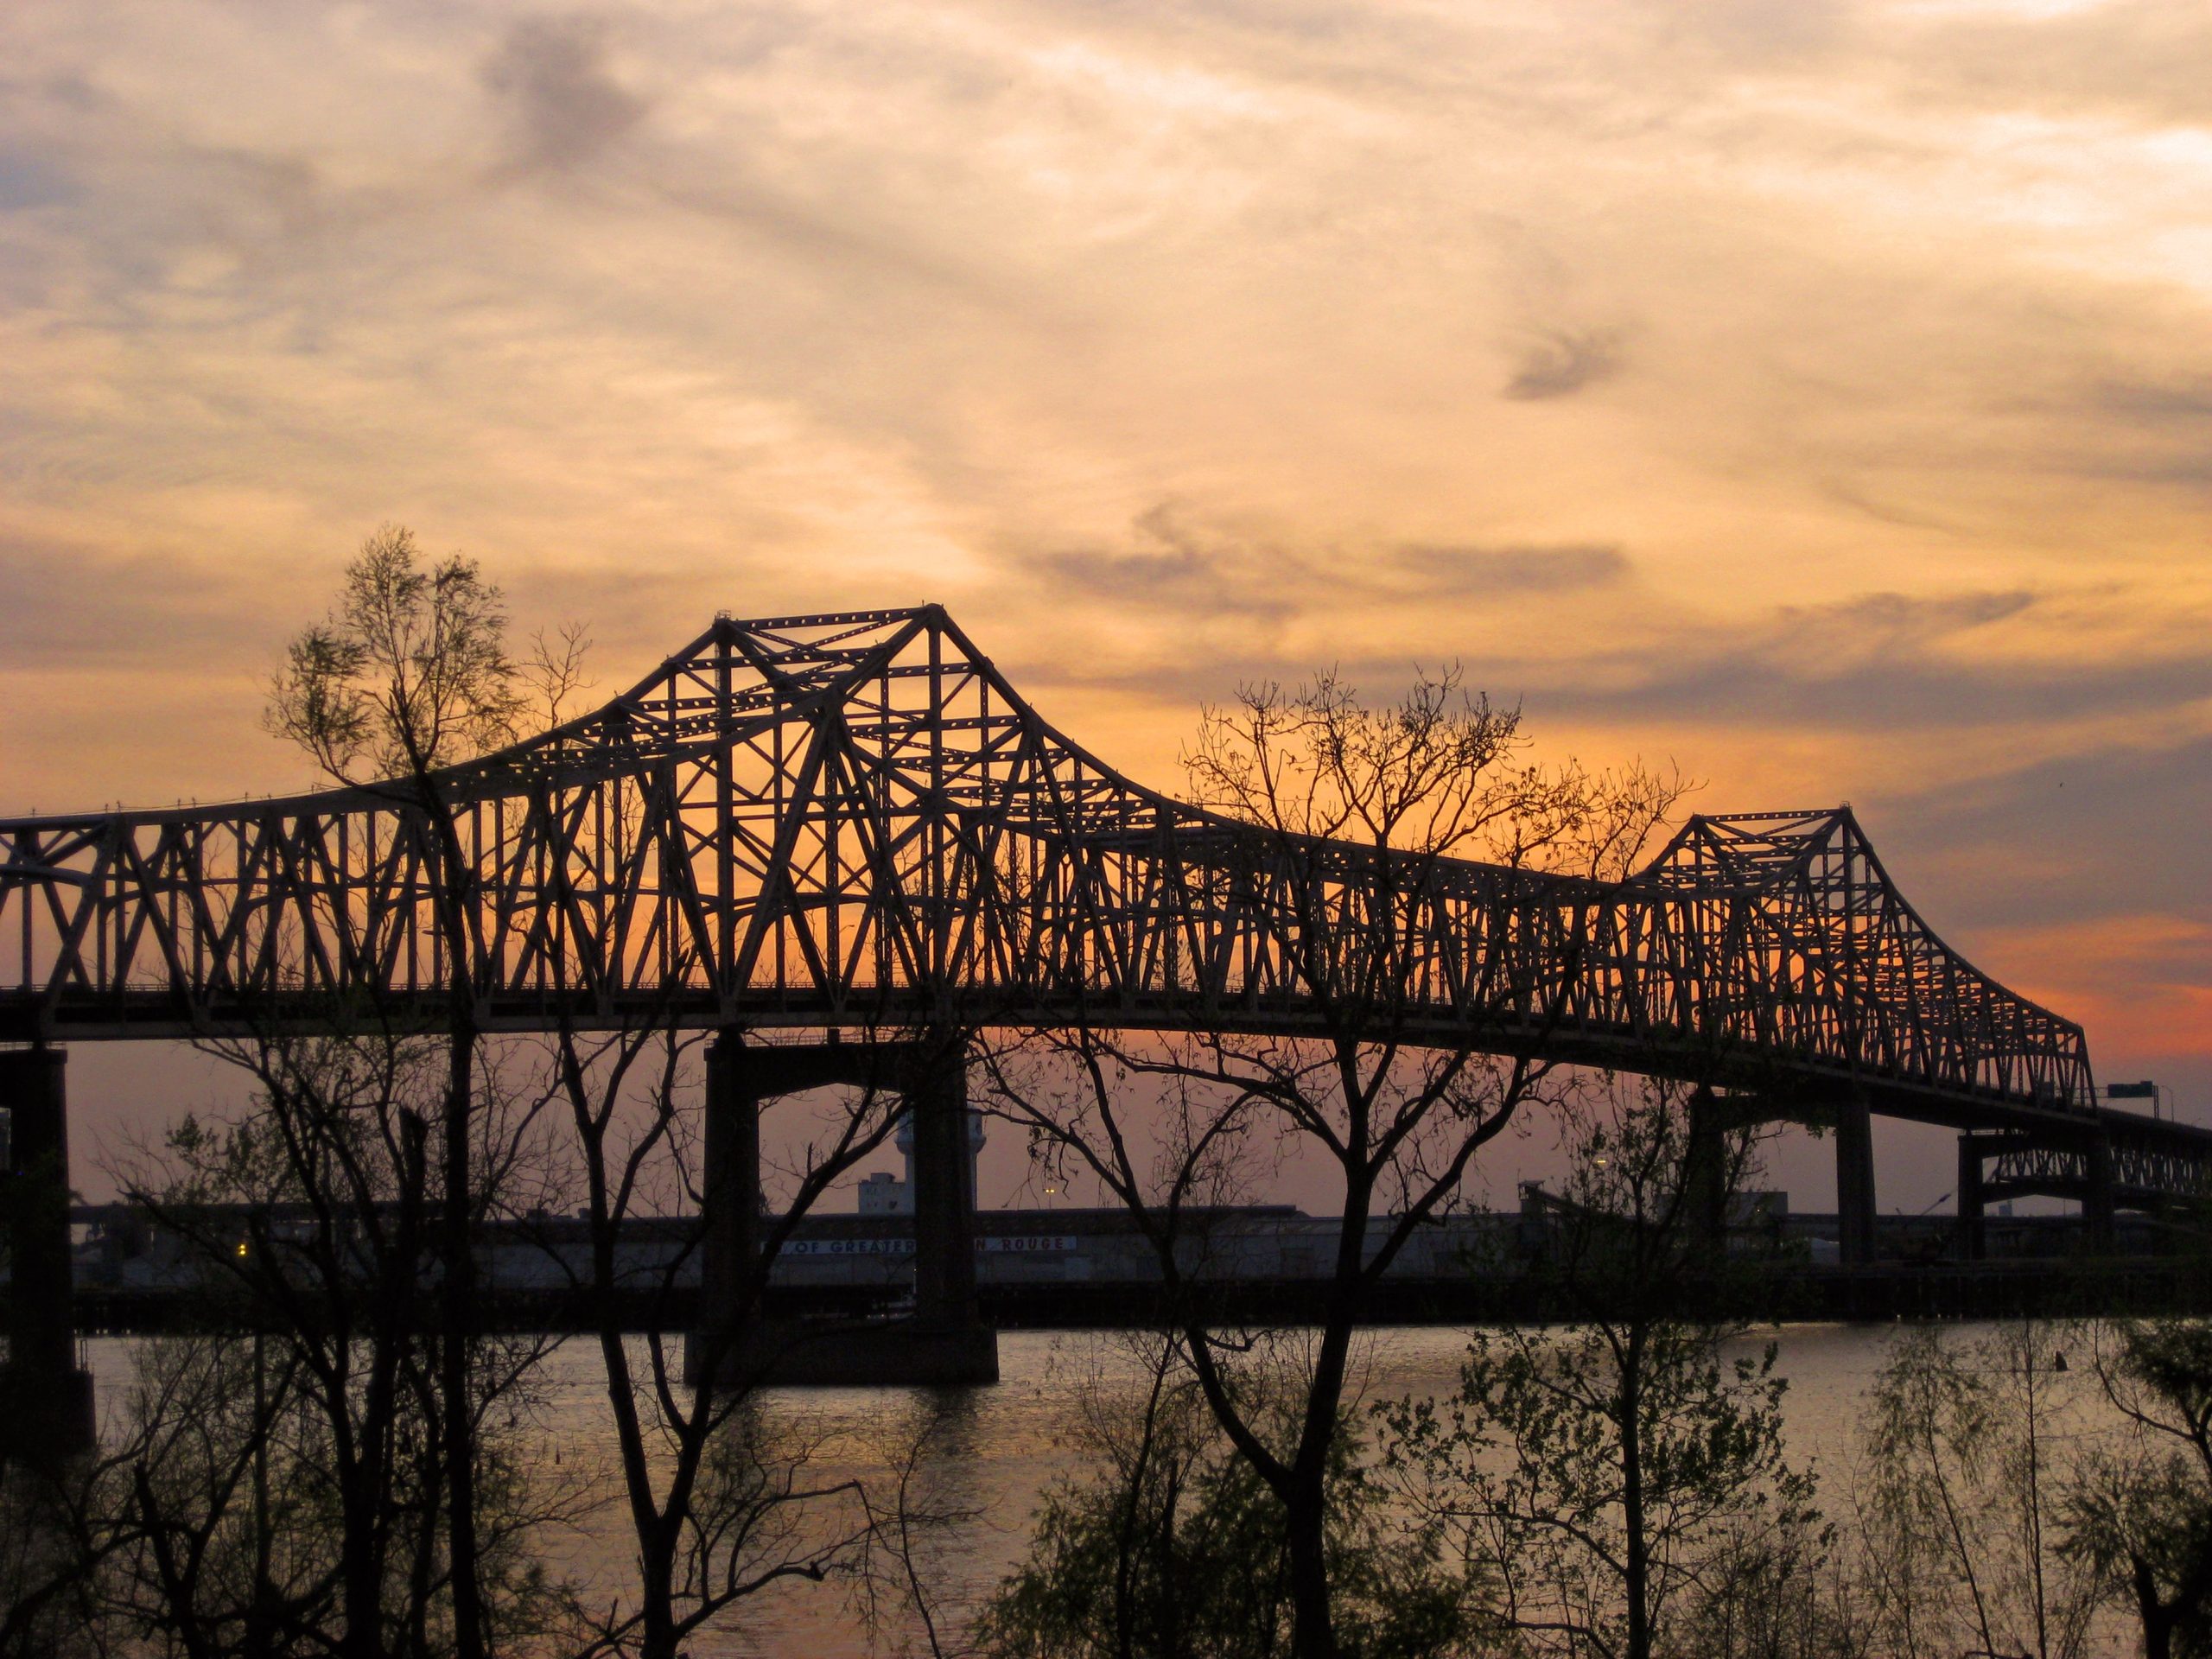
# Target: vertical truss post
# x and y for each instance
(725, 833)
(1974, 1236)
(1854, 1180)
(46, 1401)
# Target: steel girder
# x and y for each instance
(2146, 1162)
(851, 819)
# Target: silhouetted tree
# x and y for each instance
(1393, 1102)
(2139, 1510)
(722, 1502)
(410, 673)
(294, 1479)
(1968, 1444)
(1611, 1478)
(1171, 1547)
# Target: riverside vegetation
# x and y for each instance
(1995, 1504)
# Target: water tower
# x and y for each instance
(884, 1194)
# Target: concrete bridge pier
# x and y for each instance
(2098, 1198)
(730, 1204)
(46, 1401)
(1705, 1168)
(1854, 1180)
(948, 1330)
(1973, 1236)
(945, 1340)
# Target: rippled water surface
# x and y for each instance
(996, 1451)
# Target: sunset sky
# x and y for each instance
(1816, 394)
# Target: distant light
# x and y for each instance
(241, 1250)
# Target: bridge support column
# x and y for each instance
(2097, 1204)
(945, 1341)
(1704, 1171)
(46, 1401)
(1854, 1180)
(1973, 1236)
(944, 1199)
(730, 1197)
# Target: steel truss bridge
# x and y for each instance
(854, 822)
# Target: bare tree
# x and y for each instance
(723, 1504)
(409, 674)
(1394, 1106)
(62, 1529)
(315, 1443)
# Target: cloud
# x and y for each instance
(1176, 566)
(29, 181)
(2074, 864)
(1885, 621)
(1564, 363)
(2143, 60)
(1178, 561)
(1491, 571)
(2186, 404)
(69, 606)
(552, 77)
(1875, 664)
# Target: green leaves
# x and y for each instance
(1175, 1549)
(1568, 1455)
(409, 672)
(1602, 1481)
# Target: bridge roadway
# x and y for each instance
(854, 823)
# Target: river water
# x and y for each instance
(992, 1454)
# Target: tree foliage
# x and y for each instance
(1968, 1455)
(2138, 1513)
(1171, 1547)
(1396, 1117)
(1612, 1477)
(410, 671)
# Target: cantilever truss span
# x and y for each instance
(853, 819)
